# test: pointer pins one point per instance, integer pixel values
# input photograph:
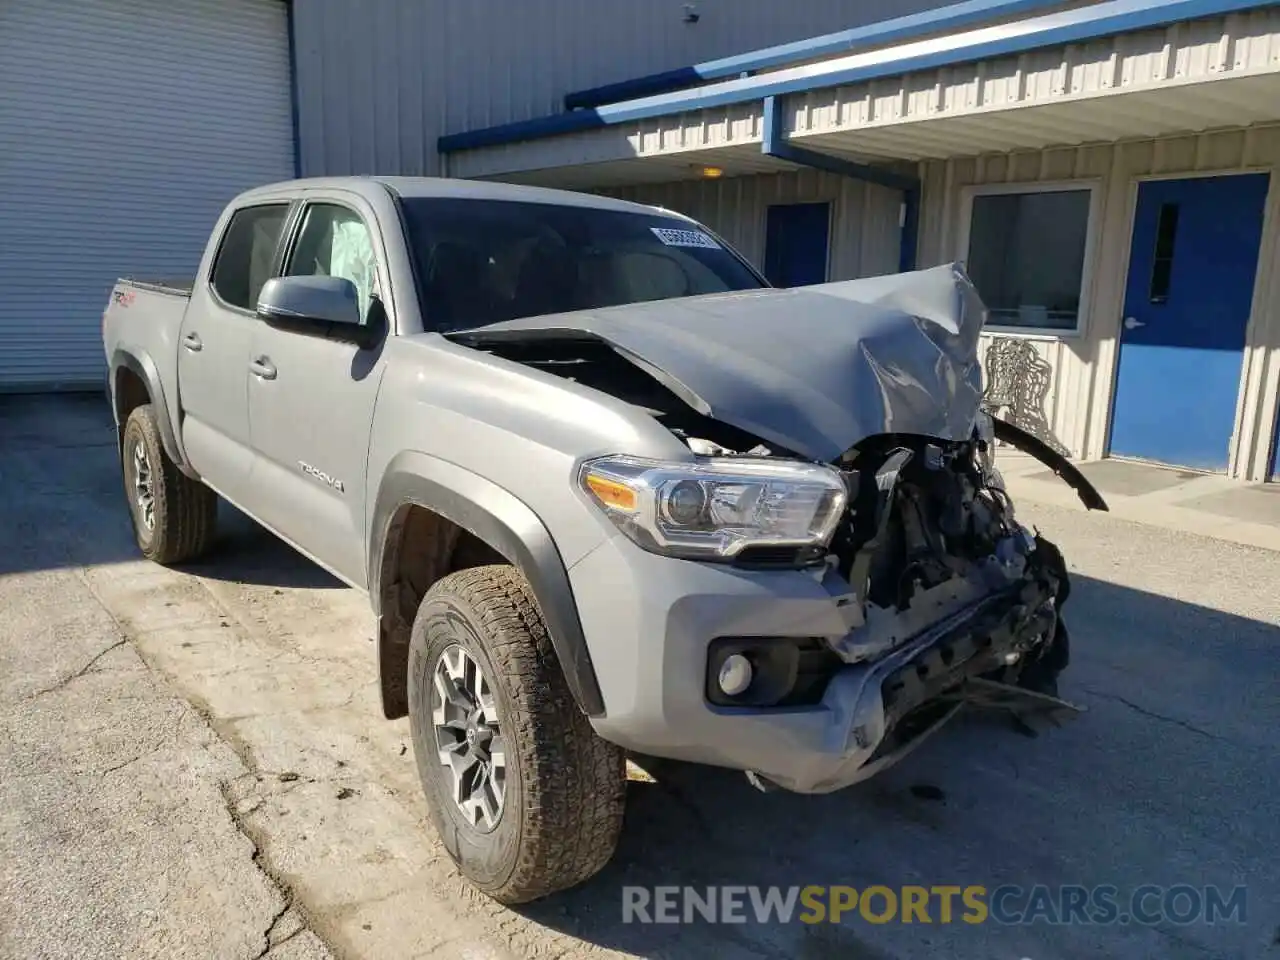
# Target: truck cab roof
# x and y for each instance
(413, 187)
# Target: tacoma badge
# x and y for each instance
(311, 471)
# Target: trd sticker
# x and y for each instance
(123, 298)
(684, 238)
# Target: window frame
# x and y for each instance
(1093, 231)
(277, 260)
(298, 222)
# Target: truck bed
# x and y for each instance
(144, 319)
(182, 288)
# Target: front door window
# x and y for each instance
(335, 242)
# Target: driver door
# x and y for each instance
(311, 399)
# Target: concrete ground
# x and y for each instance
(1204, 504)
(193, 764)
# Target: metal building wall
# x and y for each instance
(125, 127)
(1192, 75)
(864, 223)
(379, 82)
(1079, 403)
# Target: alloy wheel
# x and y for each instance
(144, 496)
(469, 739)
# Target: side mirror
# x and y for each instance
(310, 300)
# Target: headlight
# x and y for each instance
(714, 508)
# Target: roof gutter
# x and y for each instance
(1070, 26)
(912, 27)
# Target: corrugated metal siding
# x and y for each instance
(125, 127)
(975, 102)
(1194, 75)
(379, 82)
(865, 217)
(1083, 367)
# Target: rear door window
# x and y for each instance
(246, 254)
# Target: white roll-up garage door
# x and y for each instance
(125, 127)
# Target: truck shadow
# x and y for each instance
(245, 552)
(1169, 778)
(65, 505)
(248, 553)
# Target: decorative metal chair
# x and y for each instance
(1018, 382)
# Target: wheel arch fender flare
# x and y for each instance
(508, 525)
(139, 362)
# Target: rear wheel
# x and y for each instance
(173, 515)
(525, 797)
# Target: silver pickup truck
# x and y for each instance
(605, 489)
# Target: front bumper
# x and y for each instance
(649, 621)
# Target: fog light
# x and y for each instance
(735, 674)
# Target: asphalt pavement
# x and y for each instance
(194, 764)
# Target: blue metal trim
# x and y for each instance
(776, 144)
(952, 17)
(646, 86)
(522, 130)
(293, 89)
(1072, 26)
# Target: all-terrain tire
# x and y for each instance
(183, 511)
(564, 785)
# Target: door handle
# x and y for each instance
(193, 342)
(1133, 323)
(263, 368)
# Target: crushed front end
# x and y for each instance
(951, 600)
(817, 668)
(837, 568)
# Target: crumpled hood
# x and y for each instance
(812, 369)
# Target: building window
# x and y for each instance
(1027, 251)
(1162, 260)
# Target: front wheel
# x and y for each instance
(526, 798)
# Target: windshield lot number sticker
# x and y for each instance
(684, 238)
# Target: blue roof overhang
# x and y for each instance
(1076, 25)
(895, 30)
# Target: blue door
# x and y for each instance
(795, 244)
(1191, 277)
